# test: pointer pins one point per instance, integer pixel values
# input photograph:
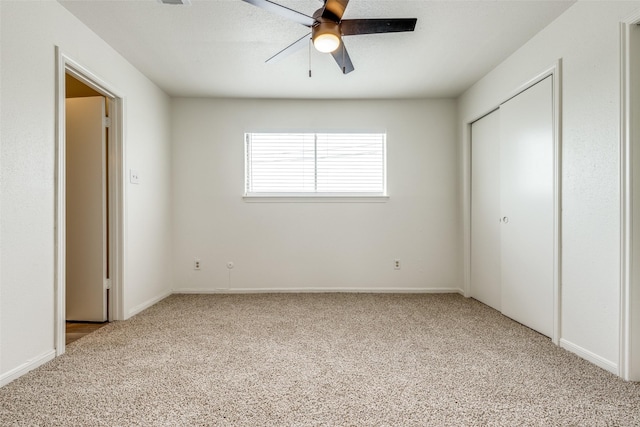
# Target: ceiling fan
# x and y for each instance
(328, 28)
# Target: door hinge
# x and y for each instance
(107, 284)
(106, 122)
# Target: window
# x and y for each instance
(310, 164)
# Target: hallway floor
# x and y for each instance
(76, 330)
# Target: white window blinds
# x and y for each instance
(315, 163)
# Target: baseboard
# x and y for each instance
(26, 367)
(599, 361)
(141, 307)
(321, 290)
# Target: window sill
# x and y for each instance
(316, 198)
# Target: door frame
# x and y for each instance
(629, 359)
(66, 65)
(555, 71)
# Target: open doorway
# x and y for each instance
(87, 209)
(89, 233)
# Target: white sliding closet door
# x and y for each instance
(485, 210)
(527, 207)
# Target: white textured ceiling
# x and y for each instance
(217, 48)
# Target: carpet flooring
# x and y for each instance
(318, 359)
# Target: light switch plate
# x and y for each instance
(134, 176)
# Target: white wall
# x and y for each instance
(315, 245)
(586, 37)
(29, 33)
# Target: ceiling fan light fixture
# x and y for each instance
(326, 43)
(326, 37)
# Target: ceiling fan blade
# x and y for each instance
(342, 58)
(334, 9)
(352, 27)
(285, 12)
(293, 47)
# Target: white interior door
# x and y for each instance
(527, 205)
(86, 210)
(485, 210)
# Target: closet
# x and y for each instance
(513, 208)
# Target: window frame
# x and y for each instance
(315, 196)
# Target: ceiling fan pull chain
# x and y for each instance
(344, 67)
(310, 42)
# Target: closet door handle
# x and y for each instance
(505, 219)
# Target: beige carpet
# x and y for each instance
(318, 359)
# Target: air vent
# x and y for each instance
(176, 2)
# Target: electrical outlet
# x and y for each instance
(196, 264)
(396, 264)
(230, 265)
